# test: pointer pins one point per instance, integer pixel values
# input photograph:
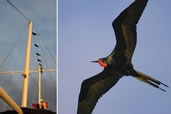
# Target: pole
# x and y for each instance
(10, 101)
(26, 68)
(39, 85)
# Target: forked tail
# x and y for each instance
(149, 80)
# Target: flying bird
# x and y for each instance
(118, 63)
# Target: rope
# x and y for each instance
(46, 64)
(42, 58)
(19, 38)
(40, 51)
(34, 89)
(48, 50)
(18, 10)
(10, 78)
(45, 46)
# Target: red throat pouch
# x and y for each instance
(101, 63)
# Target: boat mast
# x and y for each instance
(39, 84)
(27, 67)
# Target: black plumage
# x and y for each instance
(33, 33)
(38, 54)
(118, 63)
(39, 60)
(36, 45)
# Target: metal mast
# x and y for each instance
(39, 84)
(27, 67)
(27, 72)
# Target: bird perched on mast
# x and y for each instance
(118, 63)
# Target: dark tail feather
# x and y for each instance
(149, 80)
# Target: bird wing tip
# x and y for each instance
(163, 90)
(165, 85)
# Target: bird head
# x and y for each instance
(101, 63)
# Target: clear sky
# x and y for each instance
(86, 34)
(13, 36)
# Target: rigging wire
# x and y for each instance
(46, 64)
(34, 93)
(40, 37)
(19, 39)
(44, 59)
(18, 10)
(20, 50)
(13, 47)
(29, 20)
(9, 78)
(34, 89)
(41, 56)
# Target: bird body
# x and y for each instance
(118, 63)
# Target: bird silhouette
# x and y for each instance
(36, 45)
(38, 54)
(118, 63)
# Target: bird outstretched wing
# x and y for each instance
(125, 28)
(93, 88)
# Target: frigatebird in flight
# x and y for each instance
(118, 63)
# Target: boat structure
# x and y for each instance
(28, 62)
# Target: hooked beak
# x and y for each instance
(101, 63)
(94, 61)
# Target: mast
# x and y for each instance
(41, 104)
(27, 67)
(27, 71)
(39, 84)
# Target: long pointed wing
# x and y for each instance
(125, 28)
(93, 88)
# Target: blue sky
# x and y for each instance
(86, 34)
(13, 36)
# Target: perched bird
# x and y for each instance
(118, 63)
(38, 54)
(33, 33)
(36, 45)
(39, 60)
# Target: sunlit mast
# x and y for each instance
(27, 67)
(27, 72)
